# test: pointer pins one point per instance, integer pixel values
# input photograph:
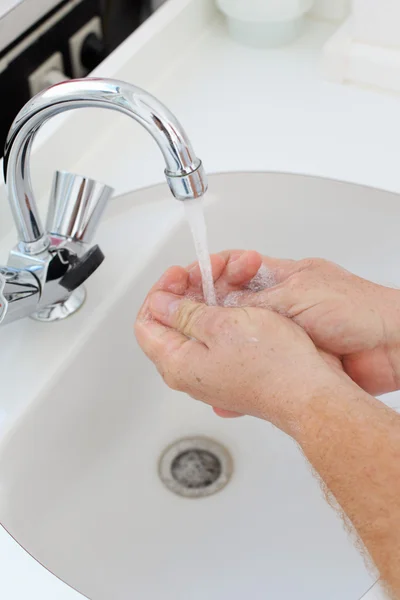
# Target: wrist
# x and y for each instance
(325, 407)
(390, 311)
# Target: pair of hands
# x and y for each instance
(315, 331)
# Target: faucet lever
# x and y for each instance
(82, 269)
(76, 206)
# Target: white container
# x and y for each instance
(265, 23)
(331, 10)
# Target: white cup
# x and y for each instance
(265, 23)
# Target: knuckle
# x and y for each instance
(308, 270)
(190, 317)
(172, 379)
(314, 263)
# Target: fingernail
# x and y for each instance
(163, 304)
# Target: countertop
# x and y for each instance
(244, 109)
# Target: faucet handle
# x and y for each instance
(76, 206)
(82, 269)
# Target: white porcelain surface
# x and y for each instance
(22, 577)
(78, 470)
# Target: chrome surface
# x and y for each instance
(43, 256)
(76, 206)
(126, 98)
(19, 293)
(189, 186)
(61, 310)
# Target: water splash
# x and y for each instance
(195, 217)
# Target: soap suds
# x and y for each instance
(261, 281)
(233, 299)
(194, 296)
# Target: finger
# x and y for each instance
(175, 280)
(226, 255)
(171, 351)
(241, 269)
(226, 414)
(280, 268)
(194, 273)
(231, 268)
(219, 263)
(193, 319)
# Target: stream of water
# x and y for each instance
(195, 216)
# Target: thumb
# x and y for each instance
(193, 319)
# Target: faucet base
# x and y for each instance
(61, 310)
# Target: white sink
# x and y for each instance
(79, 469)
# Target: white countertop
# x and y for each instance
(244, 109)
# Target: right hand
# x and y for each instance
(251, 361)
(351, 318)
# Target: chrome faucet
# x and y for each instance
(46, 270)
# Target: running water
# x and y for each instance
(195, 217)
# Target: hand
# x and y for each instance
(250, 361)
(351, 318)
(231, 269)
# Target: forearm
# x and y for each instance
(353, 442)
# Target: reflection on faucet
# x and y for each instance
(61, 258)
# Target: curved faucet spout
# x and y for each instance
(184, 171)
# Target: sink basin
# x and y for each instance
(79, 481)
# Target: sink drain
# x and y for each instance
(195, 467)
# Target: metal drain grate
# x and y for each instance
(195, 467)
